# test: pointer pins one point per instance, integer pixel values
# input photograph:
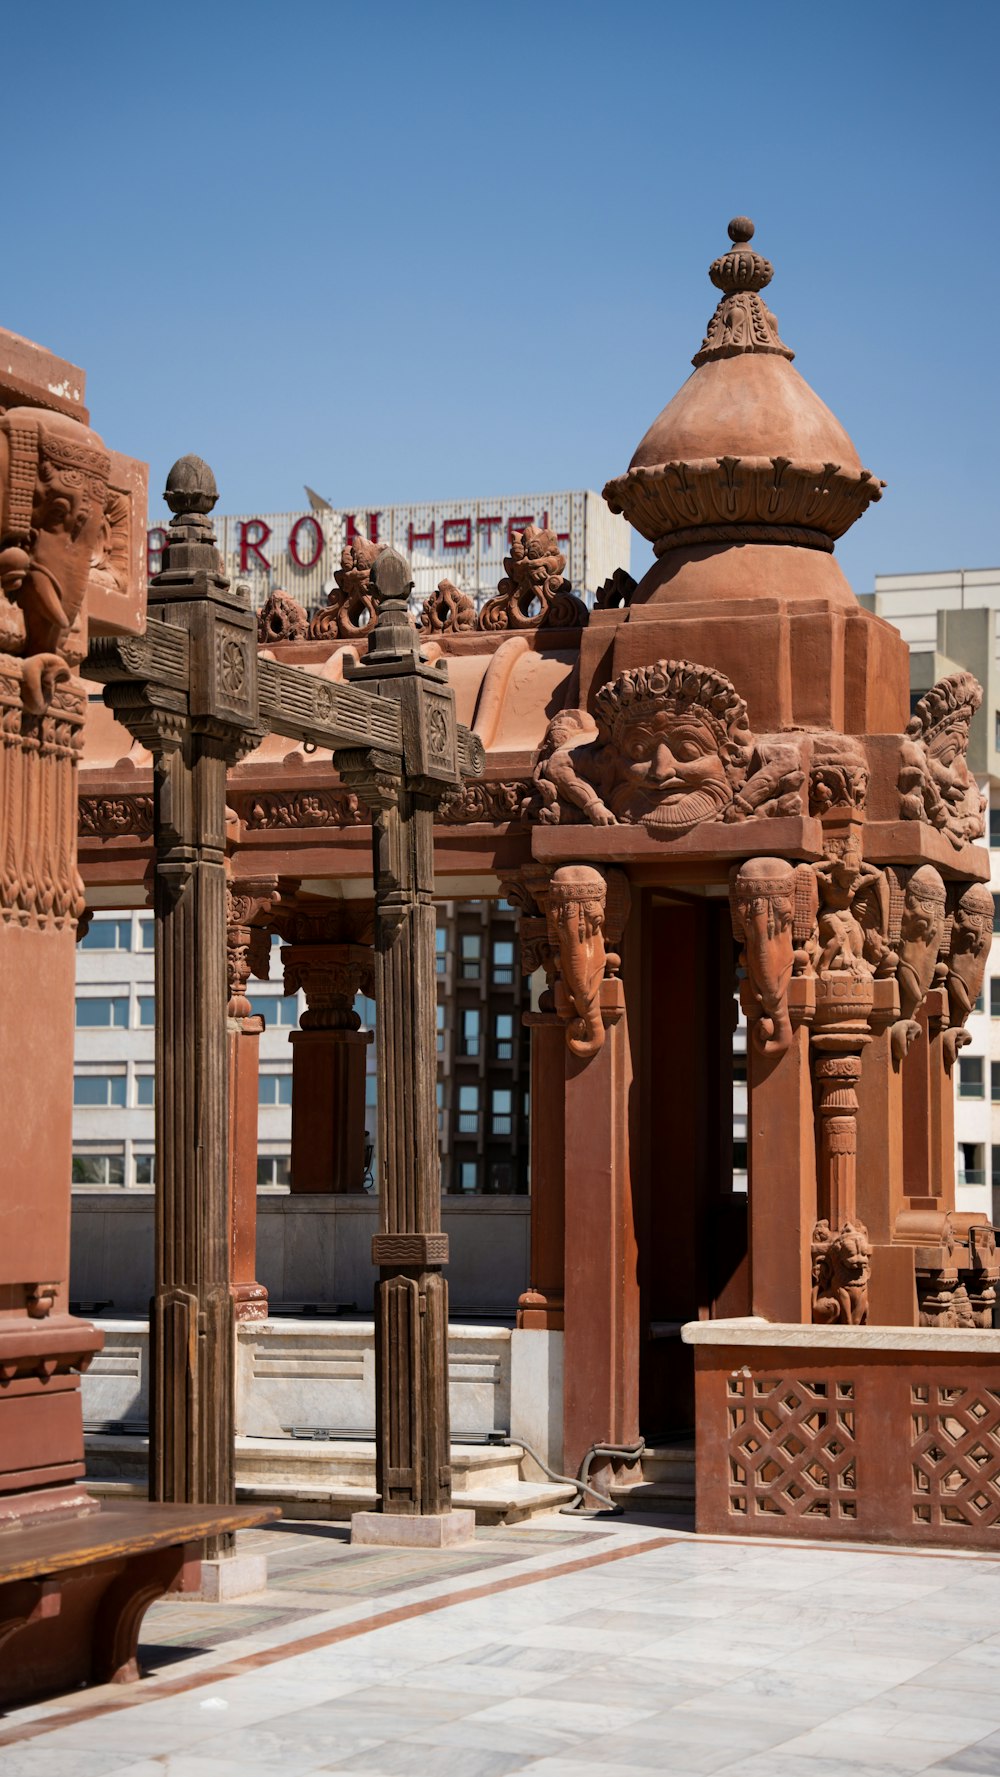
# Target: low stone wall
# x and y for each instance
(310, 1249)
(314, 1375)
(885, 1434)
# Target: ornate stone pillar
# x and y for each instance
(584, 907)
(54, 496)
(540, 1306)
(328, 1059)
(247, 952)
(774, 909)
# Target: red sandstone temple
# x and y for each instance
(709, 786)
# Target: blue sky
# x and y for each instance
(424, 252)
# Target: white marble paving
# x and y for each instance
(691, 1659)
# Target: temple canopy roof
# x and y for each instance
(745, 440)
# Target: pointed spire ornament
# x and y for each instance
(742, 322)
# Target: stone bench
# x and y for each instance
(73, 1593)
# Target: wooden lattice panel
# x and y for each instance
(955, 1454)
(792, 1447)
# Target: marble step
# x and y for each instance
(333, 1479)
(667, 1484)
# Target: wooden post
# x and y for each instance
(411, 1298)
(194, 691)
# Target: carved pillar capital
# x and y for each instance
(248, 940)
(331, 976)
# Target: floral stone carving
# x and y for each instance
(673, 749)
(351, 607)
(281, 619)
(762, 901)
(447, 610)
(935, 783)
(535, 591)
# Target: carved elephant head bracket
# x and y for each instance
(585, 914)
(762, 900)
(970, 939)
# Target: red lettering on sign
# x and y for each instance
(352, 533)
(253, 545)
(156, 542)
(464, 541)
(489, 525)
(421, 537)
(318, 541)
(518, 524)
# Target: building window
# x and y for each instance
(996, 913)
(995, 827)
(98, 1169)
(501, 1178)
(503, 1032)
(739, 1156)
(468, 1110)
(439, 1097)
(472, 951)
(147, 934)
(274, 1089)
(470, 1030)
(145, 1085)
(468, 1175)
(365, 1009)
(274, 1169)
(971, 1170)
(147, 1011)
(103, 1013)
(995, 1081)
(503, 961)
(739, 1067)
(144, 1168)
(279, 1011)
(980, 1003)
(91, 1091)
(502, 1110)
(441, 950)
(970, 1077)
(440, 1030)
(108, 934)
(995, 998)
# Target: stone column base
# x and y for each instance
(442, 1531)
(232, 1576)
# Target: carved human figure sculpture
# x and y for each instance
(762, 901)
(574, 912)
(921, 929)
(55, 474)
(971, 937)
(934, 778)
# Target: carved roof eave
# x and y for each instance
(798, 838)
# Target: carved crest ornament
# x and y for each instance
(673, 749)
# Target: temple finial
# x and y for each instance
(742, 322)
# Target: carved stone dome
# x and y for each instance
(746, 451)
